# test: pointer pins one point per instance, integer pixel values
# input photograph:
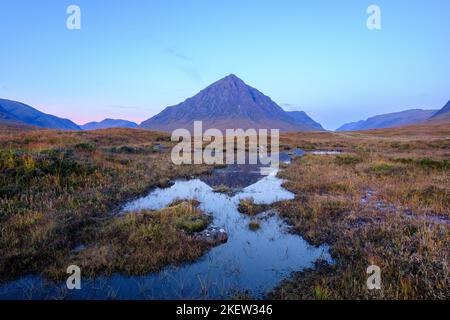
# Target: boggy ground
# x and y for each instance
(59, 190)
(384, 201)
(143, 242)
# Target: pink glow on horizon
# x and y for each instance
(80, 120)
(82, 114)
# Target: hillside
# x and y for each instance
(109, 123)
(226, 104)
(303, 119)
(442, 115)
(389, 120)
(17, 112)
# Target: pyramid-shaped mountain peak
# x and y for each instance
(230, 81)
(232, 77)
(444, 111)
(228, 103)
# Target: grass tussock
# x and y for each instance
(254, 225)
(249, 207)
(224, 189)
(142, 242)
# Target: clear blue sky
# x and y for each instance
(133, 58)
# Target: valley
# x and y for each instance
(195, 153)
(382, 199)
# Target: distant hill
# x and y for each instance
(17, 112)
(5, 116)
(443, 114)
(109, 123)
(227, 104)
(390, 120)
(302, 118)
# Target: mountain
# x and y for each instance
(443, 114)
(109, 123)
(301, 117)
(7, 117)
(226, 104)
(17, 112)
(390, 120)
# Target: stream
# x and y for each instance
(250, 263)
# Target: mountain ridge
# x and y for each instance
(444, 112)
(5, 116)
(18, 112)
(389, 120)
(109, 123)
(226, 104)
(303, 117)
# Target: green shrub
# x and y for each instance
(347, 159)
(428, 163)
(308, 147)
(400, 146)
(194, 224)
(85, 146)
(425, 163)
(387, 169)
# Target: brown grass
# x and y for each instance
(385, 202)
(249, 207)
(141, 242)
(56, 187)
